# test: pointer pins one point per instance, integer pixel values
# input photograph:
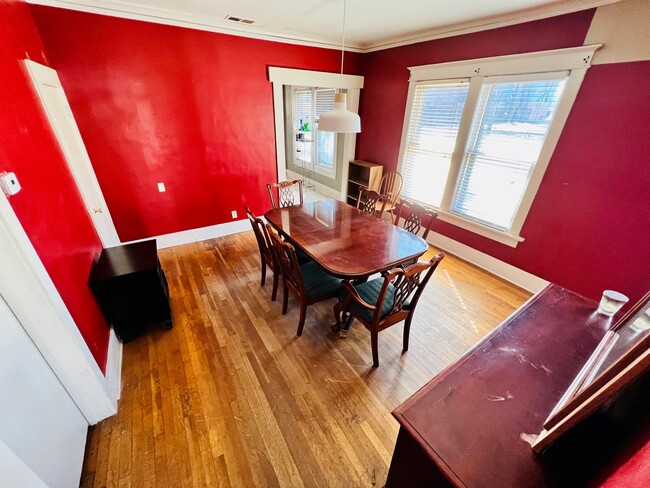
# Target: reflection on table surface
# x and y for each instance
(344, 241)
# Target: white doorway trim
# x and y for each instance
(55, 105)
(285, 76)
(30, 293)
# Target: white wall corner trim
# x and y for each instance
(114, 367)
(196, 235)
(510, 273)
(31, 295)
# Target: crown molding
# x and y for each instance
(539, 13)
(127, 10)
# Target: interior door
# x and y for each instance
(49, 89)
(39, 422)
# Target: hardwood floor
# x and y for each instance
(231, 397)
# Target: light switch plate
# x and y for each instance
(161, 187)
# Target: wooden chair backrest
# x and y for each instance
(283, 194)
(391, 187)
(370, 202)
(419, 217)
(285, 256)
(261, 235)
(407, 282)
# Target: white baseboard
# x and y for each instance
(196, 235)
(114, 368)
(319, 187)
(514, 275)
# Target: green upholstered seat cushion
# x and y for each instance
(317, 282)
(302, 257)
(369, 293)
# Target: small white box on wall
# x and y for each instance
(9, 183)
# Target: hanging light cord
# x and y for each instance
(343, 41)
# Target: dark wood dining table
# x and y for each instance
(344, 241)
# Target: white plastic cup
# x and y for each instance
(611, 302)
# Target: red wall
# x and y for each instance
(49, 206)
(588, 226)
(191, 109)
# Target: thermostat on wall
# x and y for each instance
(9, 183)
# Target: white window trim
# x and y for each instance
(576, 60)
(287, 76)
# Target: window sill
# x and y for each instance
(502, 237)
(322, 170)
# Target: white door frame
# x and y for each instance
(30, 293)
(298, 77)
(69, 139)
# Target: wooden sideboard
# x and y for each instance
(469, 426)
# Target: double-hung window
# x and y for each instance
(312, 146)
(479, 134)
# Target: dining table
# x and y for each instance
(344, 241)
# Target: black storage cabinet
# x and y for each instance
(131, 289)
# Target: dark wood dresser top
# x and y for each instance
(124, 260)
(472, 420)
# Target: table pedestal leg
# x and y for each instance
(347, 321)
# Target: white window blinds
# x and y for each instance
(324, 101)
(431, 137)
(309, 105)
(510, 124)
(302, 107)
(324, 140)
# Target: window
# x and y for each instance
(431, 139)
(311, 145)
(479, 134)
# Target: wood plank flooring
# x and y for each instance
(232, 397)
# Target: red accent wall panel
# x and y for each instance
(188, 108)
(49, 206)
(588, 226)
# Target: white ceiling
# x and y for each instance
(370, 24)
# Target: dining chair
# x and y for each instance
(386, 301)
(391, 187)
(370, 202)
(266, 252)
(418, 217)
(287, 192)
(307, 282)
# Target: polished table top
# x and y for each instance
(344, 241)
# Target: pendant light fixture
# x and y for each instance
(340, 119)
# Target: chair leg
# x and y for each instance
(285, 299)
(263, 271)
(375, 348)
(274, 293)
(301, 322)
(407, 331)
(337, 315)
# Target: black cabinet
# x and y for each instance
(131, 288)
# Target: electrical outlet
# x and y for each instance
(161, 187)
(234, 214)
